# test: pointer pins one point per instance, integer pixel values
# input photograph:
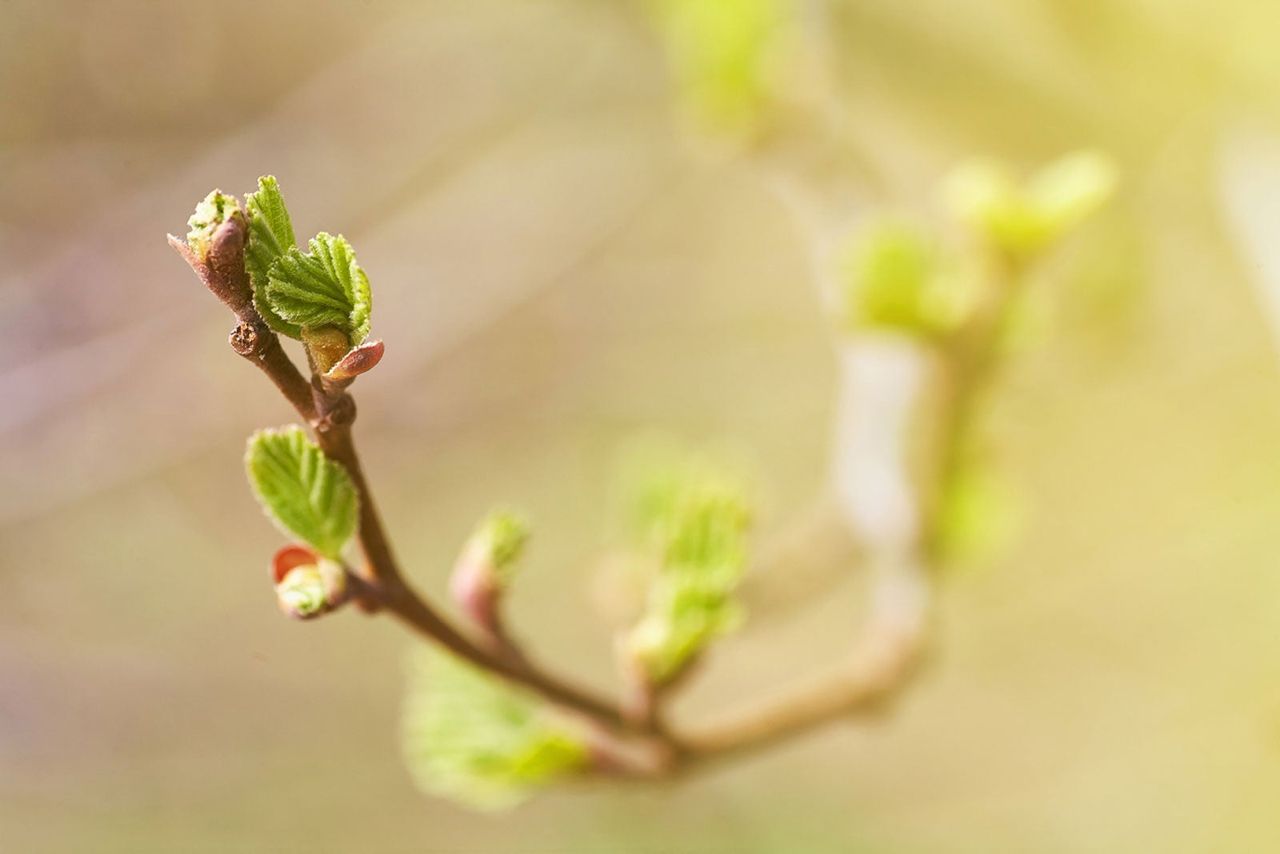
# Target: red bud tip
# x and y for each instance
(290, 557)
(357, 361)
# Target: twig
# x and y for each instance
(331, 412)
(631, 742)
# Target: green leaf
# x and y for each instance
(305, 492)
(1022, 219)
(321, 288)
(474, 739)
(694, 517)
(270, 236)
(895, 278)
(722, 55)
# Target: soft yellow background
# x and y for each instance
(556, 266)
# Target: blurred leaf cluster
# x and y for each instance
(1022, 219)
(472, 738)
(693, 517)
(723, 55)
(901, 276)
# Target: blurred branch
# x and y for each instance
(882, 662)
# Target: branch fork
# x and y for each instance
(631, 738)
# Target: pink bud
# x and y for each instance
(475, 586)
(357, 361)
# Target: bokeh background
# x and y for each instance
(559, 263)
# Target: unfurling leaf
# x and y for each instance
(270, 236)
(695, 519)
(480, 741)
(322, 288)
(305, 492)
(500, 539)
(486, 564)
(213, 211)
(301, 592)
(895, 278)
(1021, 219)
(307, 585)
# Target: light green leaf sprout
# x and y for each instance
(694, 517)
(304, 491)
(296, 292)
(721, 52)
(896, 278)
(270, 236)
(322, 288)
(1022, 219)
(500, 539)
(213, 211)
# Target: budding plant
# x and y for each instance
(911, 312)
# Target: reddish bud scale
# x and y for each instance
(290, 557)
(475, 587)
(357, 361)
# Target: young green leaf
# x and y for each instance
(270, 236)
(896, 278)
(321, 288)
(695, 518)
(304, 491)
(472, 738)
(1022, 219)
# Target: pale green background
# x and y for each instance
(557, 265)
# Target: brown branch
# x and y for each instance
(330, 411)
(251, 338)
(632, 742)
(385, 584)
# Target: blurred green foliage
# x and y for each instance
(501, 538)
(896, 277)
(1021, 219)
(693, 517)
(720, 52)
(472, 738)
